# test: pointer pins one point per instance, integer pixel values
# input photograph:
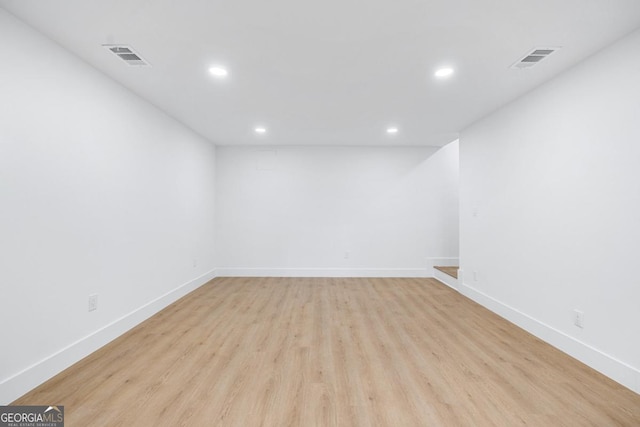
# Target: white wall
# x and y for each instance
(550, 211)
(99, 193)
(297, 211)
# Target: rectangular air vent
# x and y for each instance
(127, 54)
(534, 57)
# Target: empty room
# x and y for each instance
(329, 213)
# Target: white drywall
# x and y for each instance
(335, 211)
(550, 208)
(100, 193)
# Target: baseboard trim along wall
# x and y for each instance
(322, 272)
(451, 282)
(615, 369)
(29, 378)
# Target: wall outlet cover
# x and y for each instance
(93, 302)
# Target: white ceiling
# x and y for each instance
(330, 71)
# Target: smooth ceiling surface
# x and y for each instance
(330, 71)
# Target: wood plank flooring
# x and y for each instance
(332, 352)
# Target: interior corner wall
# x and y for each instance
(336, 211)
(101, 193)
(549, 209)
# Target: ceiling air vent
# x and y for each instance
(127, 54)
(535, 56)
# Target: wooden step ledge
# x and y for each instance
(451, 271)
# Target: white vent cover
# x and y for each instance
(534, 57)
(127, 54)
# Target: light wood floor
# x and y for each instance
(451, 271)
(332, 352)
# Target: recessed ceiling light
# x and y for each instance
(444, 72)
(260, 129)
(219, 72)
(392, 130)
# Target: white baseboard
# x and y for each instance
(322, 272)
(34, 375)
(613, 368)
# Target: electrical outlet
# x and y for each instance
(346, 255)
(578, 318)
(93, 302)
(475, 276)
